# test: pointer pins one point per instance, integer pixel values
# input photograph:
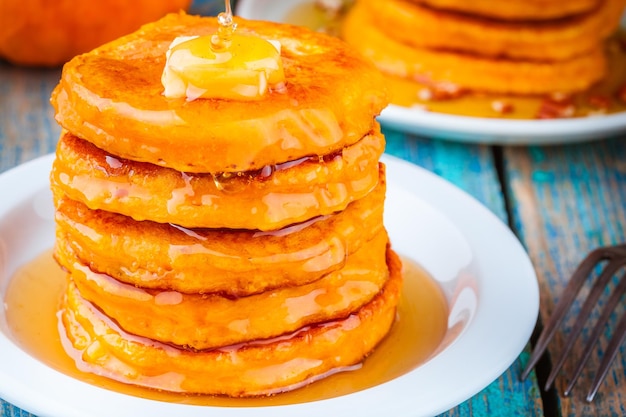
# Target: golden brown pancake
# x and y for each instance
(289, 193)
(204, 321)
(467, 71)
(516, 9)
(98, 345)
(424, 27)
(231, 262)
(113, 98)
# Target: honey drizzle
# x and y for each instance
(32, 302)
(118, 166)
(223, 179)
(222, 39)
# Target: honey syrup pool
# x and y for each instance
(33, 297)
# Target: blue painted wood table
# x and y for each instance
(561, 201)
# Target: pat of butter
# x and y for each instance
(246, 70)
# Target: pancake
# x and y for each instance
(204, 321)
(231, 262)
(291, 192)
(467, 71)
(112, 97)
(264, 367)
(516, 9)
(527, 40)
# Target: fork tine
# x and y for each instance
(573, 287)
(611, 352)
(596, 290)
(597, 330)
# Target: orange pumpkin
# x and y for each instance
(50, 32)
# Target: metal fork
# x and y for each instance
(616, 257)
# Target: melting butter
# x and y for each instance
(246, 69)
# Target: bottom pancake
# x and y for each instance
(256, 368)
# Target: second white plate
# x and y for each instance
(463, 128)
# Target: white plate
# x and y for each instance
(463, 128)
(484, 271)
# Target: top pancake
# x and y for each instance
(516, 9)
(112, 97)
(548, 40)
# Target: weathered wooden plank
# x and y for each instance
(27, 125)
(568, 200)
(472, 168)
(7, 410)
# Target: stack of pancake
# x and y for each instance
(522, 47)
(220, 246)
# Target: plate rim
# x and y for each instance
(21, 394)
(483, 130)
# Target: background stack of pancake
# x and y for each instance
(511, 47)
(221, 246)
